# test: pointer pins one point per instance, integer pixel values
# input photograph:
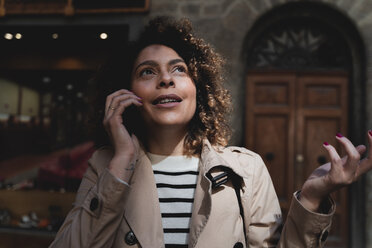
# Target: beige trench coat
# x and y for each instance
(107, 213)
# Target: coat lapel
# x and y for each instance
(201, 207)
(142, 210)
(202, 198)
(210, 158)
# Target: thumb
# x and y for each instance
(361, 149)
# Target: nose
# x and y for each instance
(166, 81)
(165, 85)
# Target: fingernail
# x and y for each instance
(326, 143)
(370, 133)
(339, 135)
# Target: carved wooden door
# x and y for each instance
(288, 117)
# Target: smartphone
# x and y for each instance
(132, 120)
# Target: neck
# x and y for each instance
(166, 141)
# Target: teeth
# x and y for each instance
(167, 100)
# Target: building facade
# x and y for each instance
(276, 38)
(298, 71)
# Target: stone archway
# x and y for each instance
(265, 51)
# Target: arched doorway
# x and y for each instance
(304, 65)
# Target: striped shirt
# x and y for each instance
(175, 178)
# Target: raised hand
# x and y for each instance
(125, 145)
(337, 173)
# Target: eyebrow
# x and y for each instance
(153, 63)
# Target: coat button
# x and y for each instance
(238, 245)
(130, 238)
(93, 204)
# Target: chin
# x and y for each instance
(169, 121)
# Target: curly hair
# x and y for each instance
(205, 68)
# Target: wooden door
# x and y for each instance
(288, 117)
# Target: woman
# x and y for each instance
(178, 185)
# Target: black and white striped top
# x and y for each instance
(175, 178)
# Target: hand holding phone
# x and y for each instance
(125, 144)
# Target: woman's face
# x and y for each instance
(161, 78)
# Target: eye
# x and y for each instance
(180, 68)
(146, 71)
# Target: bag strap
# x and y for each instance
(236, 181)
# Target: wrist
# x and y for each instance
(122, 167)
(310, 203)
(123, 158)
(124, 154)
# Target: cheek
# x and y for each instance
(138, 89)
(193, 100)
(193, 93)
(187, 85)
(133, 86)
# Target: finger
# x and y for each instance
(116, 102)
(366, 164)
(116, 93)
(117, 99)
(334, 156)
(115, 122)
(124, 104)
(353, 155)
(370, 143)
(361, 149)
(118, 111)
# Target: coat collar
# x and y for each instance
(219, 156)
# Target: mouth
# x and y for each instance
(163, 99)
